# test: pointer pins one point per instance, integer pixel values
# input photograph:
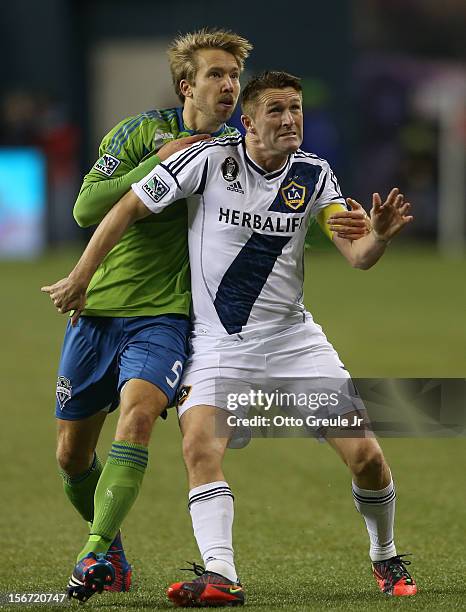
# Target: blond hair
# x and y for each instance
(182, 52)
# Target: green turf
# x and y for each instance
(300, 544)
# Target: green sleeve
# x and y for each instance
(125, 145)
(96, 198)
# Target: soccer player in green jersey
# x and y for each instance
(129, 346)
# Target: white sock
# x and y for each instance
(211, 507)
(378, 510)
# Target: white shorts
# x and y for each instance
(295, 360)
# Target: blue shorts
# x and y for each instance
(101, 353)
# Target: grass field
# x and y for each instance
(300, 544)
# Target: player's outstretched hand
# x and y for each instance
(350, 224)
(390, 217)
(178, 145)
(67, 294)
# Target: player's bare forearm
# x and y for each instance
(70, 292)
(387, 220)
(128, 210)
(362, 253)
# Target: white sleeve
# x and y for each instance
(181, 175)
(328, 191)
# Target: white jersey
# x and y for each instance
(247, 229)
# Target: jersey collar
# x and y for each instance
(267, 175)
(183, 128)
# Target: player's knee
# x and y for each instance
(136, 423)
(198, 453)
(140, 405)
(73, 461)
(368, 461)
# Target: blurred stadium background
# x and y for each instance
(384, 95)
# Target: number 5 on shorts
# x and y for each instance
(177, 369)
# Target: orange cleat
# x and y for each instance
(208, 590)
(393, 578)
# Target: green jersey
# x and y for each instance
(147, 272)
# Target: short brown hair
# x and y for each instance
(182, 52)
(270, 79)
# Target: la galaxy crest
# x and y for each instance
(230, 169)
(294, 195)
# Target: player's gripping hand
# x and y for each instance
(178, 145)
(68, 294)
(350, 224)
(390, 217)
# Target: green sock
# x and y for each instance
(115, 494)
(80, 489)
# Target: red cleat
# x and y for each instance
(209, 589)
(393, 578)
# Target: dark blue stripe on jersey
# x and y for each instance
(121, 136)
(267, 175)
(245, 278)
(200, 189)
(324, 182)
(335, 182)
(120, 131)
(201, 145)
(342, 203)
(188, 159)
(305, 176)
(171, 174)
(301, 153)
(196, 148)
(124, 137)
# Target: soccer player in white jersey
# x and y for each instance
(250, 200)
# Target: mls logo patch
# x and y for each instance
(156, 188)
(230, 169)
(107, 164)
(294, 195)
(183, 394)
(63, 392)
